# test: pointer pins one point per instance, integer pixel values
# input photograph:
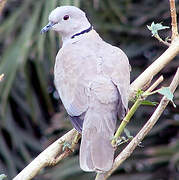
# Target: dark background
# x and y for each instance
(31, 114)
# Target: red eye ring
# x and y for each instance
(66, 17)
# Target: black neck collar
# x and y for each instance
(82, 32)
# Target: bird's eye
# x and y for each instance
(66, 17)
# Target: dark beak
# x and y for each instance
(47, 27)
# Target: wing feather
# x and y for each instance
(73, 74)
(118, 68)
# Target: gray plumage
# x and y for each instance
(92, 78)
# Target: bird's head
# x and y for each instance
(67, 20)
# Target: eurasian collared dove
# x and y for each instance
(92, 78)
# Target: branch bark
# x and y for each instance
(142, 133)
(174, 19)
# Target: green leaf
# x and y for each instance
(154, 28)
(149, 103)
(66, 145)
(138, 94)
(2, 176)
(167, 93)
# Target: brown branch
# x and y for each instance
(142, 133)
(155, 84)
(174, 19)
(67, 151)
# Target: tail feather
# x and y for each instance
(96, 151)
(102, 153)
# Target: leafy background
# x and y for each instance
(31, 113)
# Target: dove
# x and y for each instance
(92, 78)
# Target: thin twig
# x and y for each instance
(163, 60)
(155, 84)
(59, 158)
(67, 151)
(155, 67)
(142, 133)
(133, 109)
(174, 19)
(75, 140)
(161, 40)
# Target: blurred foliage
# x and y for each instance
(31, 114)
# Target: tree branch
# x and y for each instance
(142, 133)
(174, 19)
(164, 59)
(155, 67)
(48, 157)
(161, 40)
(133, 109)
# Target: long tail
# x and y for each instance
(96, 151)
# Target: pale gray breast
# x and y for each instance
(80, 63)
(75, 67)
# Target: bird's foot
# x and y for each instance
(71, 145)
